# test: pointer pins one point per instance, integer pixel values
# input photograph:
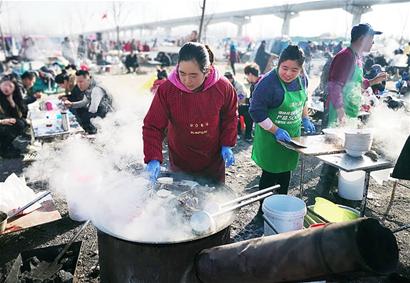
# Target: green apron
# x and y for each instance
(267, 152)
(352, 97)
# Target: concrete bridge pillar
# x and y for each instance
(357, 12)
(240, 22)
(287, 16)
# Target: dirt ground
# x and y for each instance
(241, 178)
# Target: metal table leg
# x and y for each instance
(365, 190)
(389, 205)
(302, 169)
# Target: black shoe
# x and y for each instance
(21, 143)
(90, 129)
(11, 153)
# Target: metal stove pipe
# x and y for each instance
(339, 250)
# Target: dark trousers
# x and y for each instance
(328, 180)
(328, 175)
(243, 110)
(233, 67)
(131, 67)
(84, 119)
(8, 134)
(270, 179)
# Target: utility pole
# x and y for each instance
(202, 20)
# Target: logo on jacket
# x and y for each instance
(198, 128)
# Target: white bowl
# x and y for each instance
(358, 141)
(355, 153)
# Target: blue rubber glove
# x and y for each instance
(282, 135)
(227, 155)
(153, 168)
(308, 126)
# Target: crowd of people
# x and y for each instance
(204, 123)
(82, 95)
(202, 112)
(196, 109)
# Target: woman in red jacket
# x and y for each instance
(198, 106)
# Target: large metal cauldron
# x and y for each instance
(126, 260)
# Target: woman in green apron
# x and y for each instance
(278, 108)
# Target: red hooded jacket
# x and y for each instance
(198, 124)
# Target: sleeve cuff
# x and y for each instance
(366, 83)
(266, 124)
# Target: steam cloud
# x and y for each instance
(390, 129)
(103, 180)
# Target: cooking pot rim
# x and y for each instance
(128, 239)
(190, 239)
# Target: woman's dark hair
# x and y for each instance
(63, 76)
(294, 53)
(17, 96)
(202, 54)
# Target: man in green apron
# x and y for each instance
(345, 81)
(277, 106)
(344, 88)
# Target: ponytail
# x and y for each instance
(210, 53)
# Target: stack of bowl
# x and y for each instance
(358, 141)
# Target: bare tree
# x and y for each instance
(208, 21)
(119, 15)
(202, 20)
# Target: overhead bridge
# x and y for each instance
(242, 17)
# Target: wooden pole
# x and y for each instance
(202, 20)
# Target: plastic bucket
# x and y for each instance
(351, 185)
(285, 212)
(76, 211)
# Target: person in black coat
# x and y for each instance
(13, 112)
(402, 168)
(262, 57)
(131, 62)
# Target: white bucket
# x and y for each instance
(285, 212)
(351, 184)
(76, 211)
